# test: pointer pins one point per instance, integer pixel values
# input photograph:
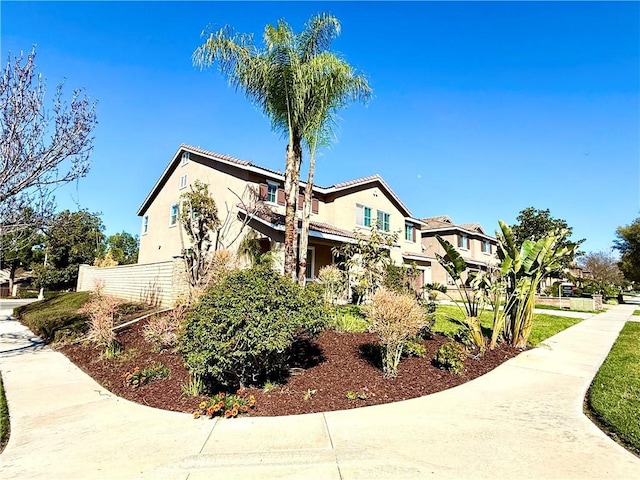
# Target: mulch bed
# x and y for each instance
(327, 369)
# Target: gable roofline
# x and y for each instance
(272, 174)
(339, 187)
(473, 226)
(457, 228)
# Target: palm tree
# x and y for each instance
(282, 79)
(338, 86)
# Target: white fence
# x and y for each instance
(153, 283)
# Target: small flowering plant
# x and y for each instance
(227, 406)
(140, 377)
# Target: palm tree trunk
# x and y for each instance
(306, 218)
(291, 188)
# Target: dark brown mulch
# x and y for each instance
(334, 364)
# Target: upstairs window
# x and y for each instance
(183, 182)
(384, 221)
(363, 216)
(272, 191)
(145, 224)
(185, 158)
(463, 242)
(486, 246)
(173, 218)
(409, 232)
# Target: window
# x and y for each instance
(486, 246)
(272, 191)
(384, 221)
(311, 260)
(408, 232)
(145, 224)
(183, 181)
(363, 216)
(463, 242)
(173, 219)
(185, 158)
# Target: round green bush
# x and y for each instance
(239, 332)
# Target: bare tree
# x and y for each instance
(207, 234)
(602, 268)
(39, 148)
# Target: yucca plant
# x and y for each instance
(523, 269)
(458, 269)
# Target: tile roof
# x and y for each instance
(443, 222)
(277, 219)
(248, 165)
(472, 226)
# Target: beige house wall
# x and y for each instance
(163, 241)
(153, 283)
(473, 253)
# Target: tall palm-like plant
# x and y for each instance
(335, 88)
(459, 271)
(283, 79)
(523, 269)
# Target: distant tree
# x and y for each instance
(39, 149)
(19, 249)
(601, 268)
(627, 242)
(123, 248)
(534, 224)
(72, 239)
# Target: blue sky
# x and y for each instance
(479, 110)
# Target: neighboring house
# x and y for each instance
(476, 247)
(238, 187)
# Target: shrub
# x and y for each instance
(348, 318)
(414, 348)
(161, 331)
(451, 356)
(240, 330)
(141, 377)
(101, 310)
(332, 280)
(395, 317)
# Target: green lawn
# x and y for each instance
(544, 325)
(636, 312)
(54, 316)
(615, 393)
(58, 317)
(4, 418)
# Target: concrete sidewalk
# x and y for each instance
(522, 420)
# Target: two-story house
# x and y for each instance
(236, 185)
(476, 247)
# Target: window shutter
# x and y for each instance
(280, 196)
(314, 205)
(300, 201)
(414, 233)
(459, 240)
(262, 195)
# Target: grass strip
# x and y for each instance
(4, 418)
(614, 395)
